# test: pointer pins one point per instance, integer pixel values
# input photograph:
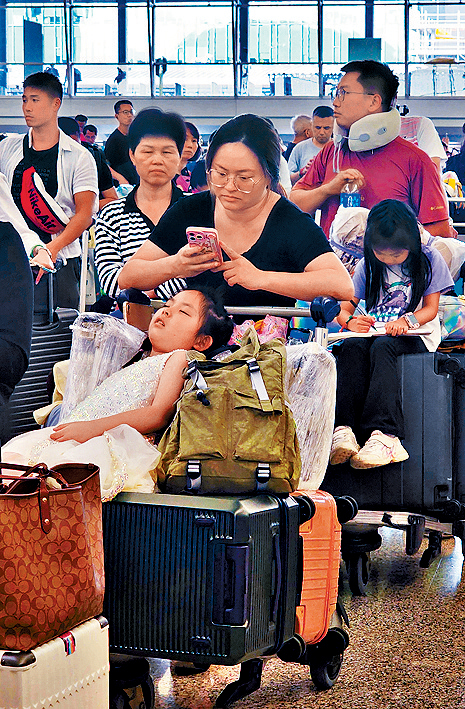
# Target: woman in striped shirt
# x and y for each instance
(156, 141)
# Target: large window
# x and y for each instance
(228, 47)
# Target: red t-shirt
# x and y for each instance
(398, 170)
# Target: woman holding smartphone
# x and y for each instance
(273, 253)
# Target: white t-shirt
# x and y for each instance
(10, 213)
(397, 290)
(421, 131)
(76, 172)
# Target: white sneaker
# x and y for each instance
(343, 445)
(380, 449)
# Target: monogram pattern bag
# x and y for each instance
(51, 556)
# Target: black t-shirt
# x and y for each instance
(288, 151)
(45, 164)
(289, 241)
(117, 154)
(104, 178)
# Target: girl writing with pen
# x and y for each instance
(401, 281)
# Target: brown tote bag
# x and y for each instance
(51, 552)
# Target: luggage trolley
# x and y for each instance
(254, 577)
(419, 496)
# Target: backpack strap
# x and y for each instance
(198, 381)
(259, 385)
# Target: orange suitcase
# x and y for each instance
(320, 639)
(321, 541)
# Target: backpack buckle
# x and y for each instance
(193, 475)
(262, 476)
(191, 368)
(253, 365)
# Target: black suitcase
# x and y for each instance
(423, 483)
(205, 580)
(51, 343)
(459, 426)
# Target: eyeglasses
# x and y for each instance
(242, 184)
(127, 113)
(342, 93)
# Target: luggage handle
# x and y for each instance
(277, 560)
(230, 581)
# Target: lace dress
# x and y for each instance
(123, 455)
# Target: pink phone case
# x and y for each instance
(206, 237)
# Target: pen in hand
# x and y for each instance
(361, 310)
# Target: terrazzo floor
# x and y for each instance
(407, 646)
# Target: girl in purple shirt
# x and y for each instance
(401, 282)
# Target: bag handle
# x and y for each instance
(42, 472)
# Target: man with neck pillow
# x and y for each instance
(368, 153)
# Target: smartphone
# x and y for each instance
(207, 238)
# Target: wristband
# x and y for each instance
(38, 247)
(351, 317)
(411, 321)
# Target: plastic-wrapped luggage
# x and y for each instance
(71, 671)
(101, 345)
(311, 387)
(51, 343)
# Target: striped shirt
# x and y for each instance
(121, 228)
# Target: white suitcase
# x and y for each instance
(70, 671)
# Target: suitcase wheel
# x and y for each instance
(324, 673)
(325, 658)
(433, 549)
(358, 570)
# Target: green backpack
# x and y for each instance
(233, 432)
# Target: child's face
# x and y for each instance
(391, 257)
(175, 326)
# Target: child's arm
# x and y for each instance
(425, 314)
(145, 420)
(347, 320)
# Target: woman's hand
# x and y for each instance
(80, 431)
(192, 260)
(361, 323)
(396, 327)
(239, 271)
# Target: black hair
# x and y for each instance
(216, 321)
(258, 135)
(153, 122)
(81, 117)
(195, 134)
(323, 112)
(198, 175)
(45, 82)
(120, 103)
(376, 77)
(90, 127)
(69, 125)
(391, 224)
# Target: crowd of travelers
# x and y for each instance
(154, 180)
